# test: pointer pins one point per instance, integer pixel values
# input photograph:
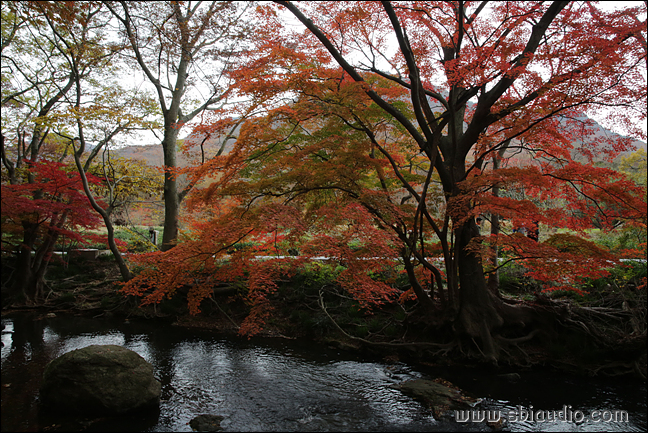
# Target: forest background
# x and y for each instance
(389, 166)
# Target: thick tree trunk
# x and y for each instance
(22, 275)
(31, 264)
(478, 313)
(493, 277)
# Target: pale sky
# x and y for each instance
(148, 138)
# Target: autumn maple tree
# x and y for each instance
(58, 92)
(38, 214)
(41, 199)
(405, 123)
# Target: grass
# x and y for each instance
(137, 239)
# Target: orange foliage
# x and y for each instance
(395, 155)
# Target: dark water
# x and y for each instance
(282, 385)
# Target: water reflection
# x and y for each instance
(263, 388)
(277, 385)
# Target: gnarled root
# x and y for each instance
(444, 348)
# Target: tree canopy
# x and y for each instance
(199, 42)
(436, 139)
(401, 122)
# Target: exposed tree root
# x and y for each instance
(613, 339)
(444, 348)
(518, 340)
(589, 340)
(619, 369)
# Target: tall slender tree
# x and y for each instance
(38, 81)
(185, 50)
(65, 98)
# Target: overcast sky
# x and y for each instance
(137, 79)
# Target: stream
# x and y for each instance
(267, 384)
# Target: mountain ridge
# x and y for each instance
(152, 154)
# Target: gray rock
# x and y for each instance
(209, 423)
(440, 395)
(511, 377)
(100, 380)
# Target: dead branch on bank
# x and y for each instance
(443, 348)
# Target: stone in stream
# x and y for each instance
(510, 377)
(440, 395)
(107, 380)
(206, 423)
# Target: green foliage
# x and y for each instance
(362, 331)
(137, 238)
(375, 324)
(400, 315)
(310, 281)
(628, 277)
(622, 239)
(110, 300)
(241, 246)
(66, 298)
(125, 180)
(513, 280)
(576, 295)
(634, 165)
(354, 310)
(320, 274)
(304, 320)
(631, 273)
(298, 300)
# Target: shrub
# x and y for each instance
(137, 238)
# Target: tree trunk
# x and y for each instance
(426, 303)
(44, 255)
(105, 213)
(123, 267)
(22, 275)
(478, 315)
(171, 197)
(29, 279)
(493, 277)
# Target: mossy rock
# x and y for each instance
(105, 379)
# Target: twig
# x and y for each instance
(446, 346)
(226, 315)
(519, 339)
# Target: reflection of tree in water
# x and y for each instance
(22, 370)
(161, 346)
(35, 341)
(265, 384)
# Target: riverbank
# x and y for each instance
(278, 384)
(310, 306)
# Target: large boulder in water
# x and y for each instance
(100, 380)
